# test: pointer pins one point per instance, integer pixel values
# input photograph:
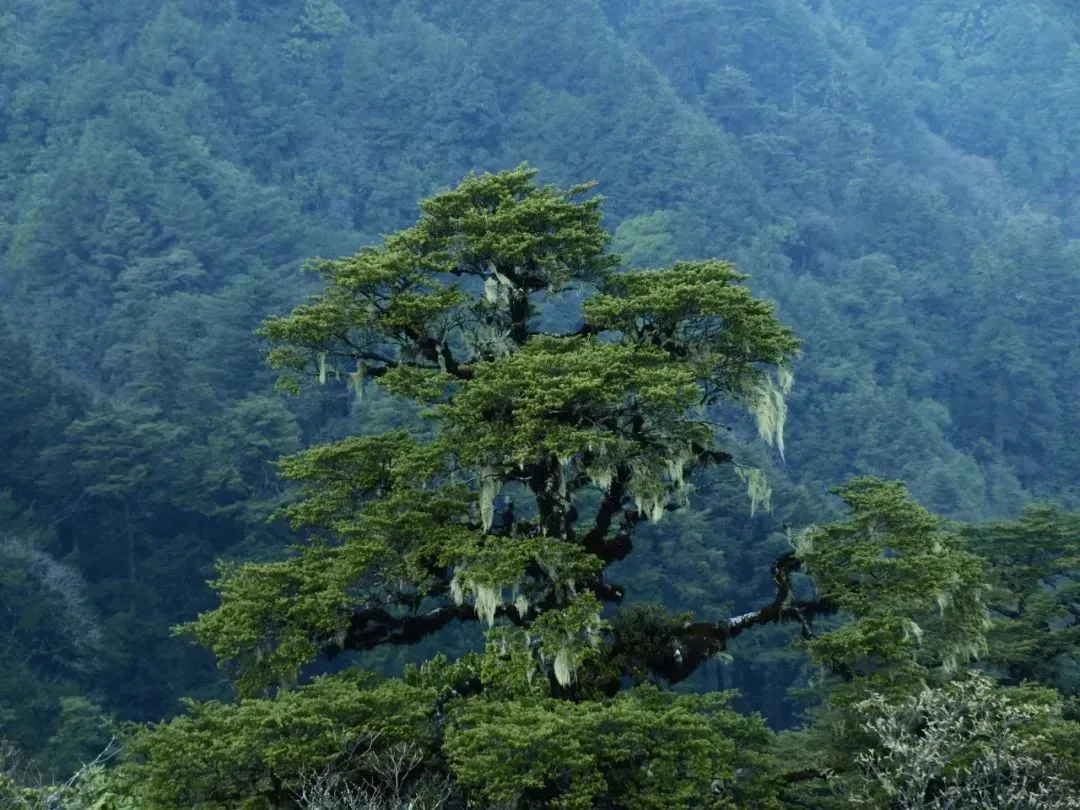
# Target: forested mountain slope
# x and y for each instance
(899, 181)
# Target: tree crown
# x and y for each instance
(583, 433)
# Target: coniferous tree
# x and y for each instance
(540, 457)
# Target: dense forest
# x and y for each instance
(588, 403)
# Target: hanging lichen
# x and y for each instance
(560, 476)
(601, 471)
(676, 469)
(574, 638)
(647, 493)
(339, 637)
(913, 631)
(757, 487)
(497, 288)
(488, 600)
(490, 485)
(651, 505)
(785, 379)
(601, 476)
(356, 379)
(457, 591)
(497, 291)
(564, 667)
(650, 497)
(491, 342)
(766, 401)
(549, 569)
(521, 604)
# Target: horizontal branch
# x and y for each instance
(697, 642)
(376, 365)
(438, 353)
(585, 330)
(374, 627)
(673, 658)
(688, 647)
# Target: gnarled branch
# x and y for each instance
(691, 645)
(674, 659)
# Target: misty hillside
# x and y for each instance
(899, 179)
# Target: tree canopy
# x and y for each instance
(543, 451)
(539, 457)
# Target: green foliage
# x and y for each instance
(914, 594)
(704, 316)
(588, 380)
(552, 414)
(278, 611)
(115, 454)
(321, 18)
(638, 631)
(646, 240)
(489, 226)
(644, 750)
(246, 442)
(405, 532)
(92, 786)
(406, 537)
(1034, 590)
(254, 753)
(83, 732)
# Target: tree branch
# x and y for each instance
(674, 658)
(690, 646)
(375, 626)
(596, 539)
(437, 352)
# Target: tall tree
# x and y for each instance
(542, 455)
(545, 450)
